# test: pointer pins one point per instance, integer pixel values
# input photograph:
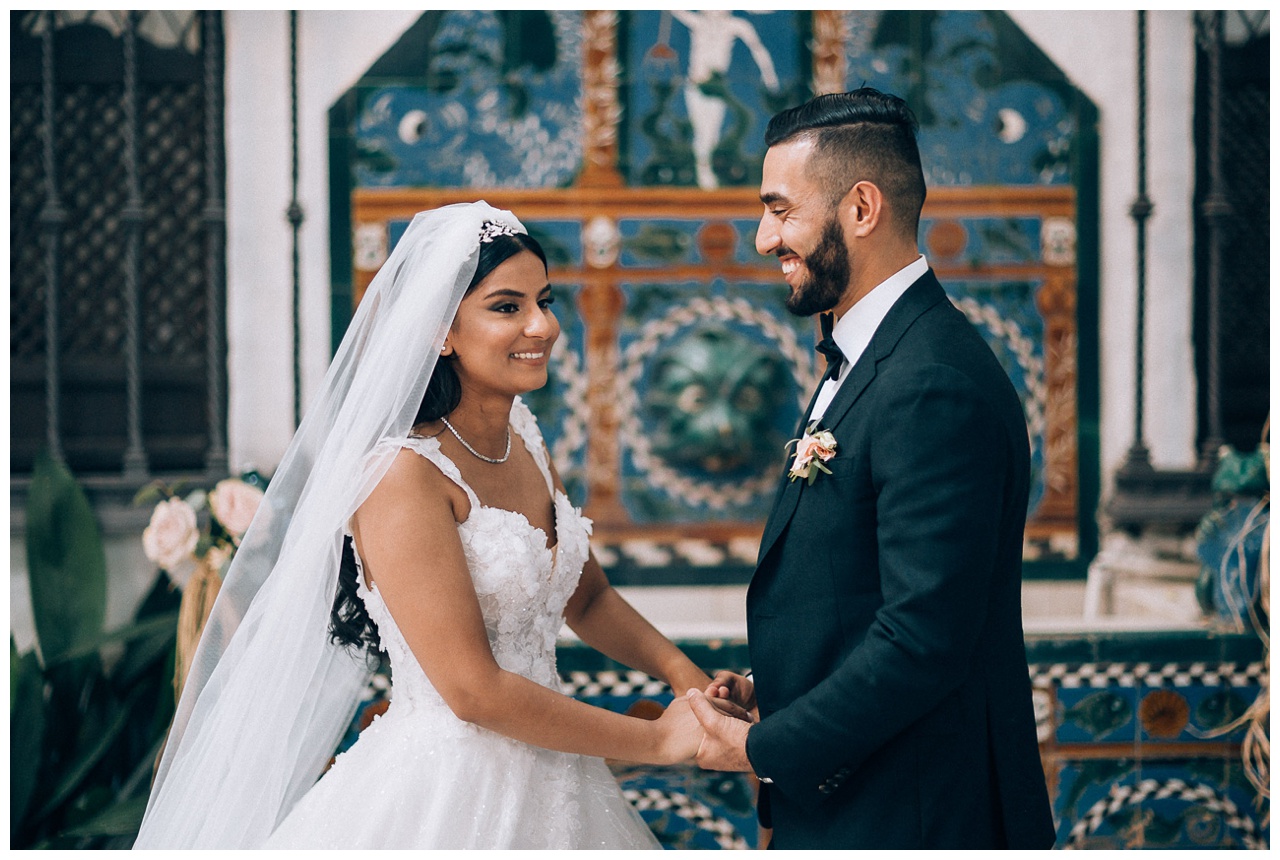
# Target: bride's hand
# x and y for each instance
(679, 733)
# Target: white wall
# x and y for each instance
(1097, 50)
(334, 49)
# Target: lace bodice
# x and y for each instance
(522, 584)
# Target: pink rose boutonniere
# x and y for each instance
(813, 449)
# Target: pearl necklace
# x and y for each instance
(467, 445)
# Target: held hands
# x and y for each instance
(710, 727)
(724, 746)
(680, 734)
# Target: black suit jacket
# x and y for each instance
(884, 617)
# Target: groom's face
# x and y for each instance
(801, 228)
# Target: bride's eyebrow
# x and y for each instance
(515, 294)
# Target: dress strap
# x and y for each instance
(429, 447)
(527, 426)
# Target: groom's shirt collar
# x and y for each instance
(853, 331)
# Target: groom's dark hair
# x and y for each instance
(860, 135)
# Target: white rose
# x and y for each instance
(172, 535)
(233, 503)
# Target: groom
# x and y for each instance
(884, 616)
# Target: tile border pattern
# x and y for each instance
(1121, 796)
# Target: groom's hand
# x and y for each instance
(732, 687)
(725, 745)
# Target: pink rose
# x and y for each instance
(172, 535)
(810, 447)
(233, 503)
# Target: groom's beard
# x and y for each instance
(828, 274)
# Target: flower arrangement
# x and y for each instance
(176, 539)
(813, 450)
(193, 538)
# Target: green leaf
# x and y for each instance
(150, 494)
(142, 655)
(66, 563)
(88, 757)
(26, 734)
(151, 627)
(121, 819)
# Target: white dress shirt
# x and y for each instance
(853, 331)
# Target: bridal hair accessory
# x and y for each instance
(813, 450)
(465, 444)
(493, 230)
(269, 695)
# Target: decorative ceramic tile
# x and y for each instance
(657, 242)
(561, 241)
(1090, 716)
(1203, 713)
(699, 88)
(687, 807)
(1171, 805)
(712, 380)
(981, 242)
(993, 109)
(1081, 785)
(499, 106)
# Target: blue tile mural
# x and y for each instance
(652, 122)
(699, 88)
(499, 107)
(993, 110)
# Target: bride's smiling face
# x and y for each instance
(504, 330)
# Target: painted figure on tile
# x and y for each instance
(890, 694)
(712, 36)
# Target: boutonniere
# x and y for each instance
(813, 449)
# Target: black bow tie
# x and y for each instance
(827, 346)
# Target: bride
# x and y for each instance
(419, 491)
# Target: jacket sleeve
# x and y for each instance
(940, 459)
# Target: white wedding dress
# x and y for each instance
(419, 777)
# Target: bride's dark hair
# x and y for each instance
(349, 623)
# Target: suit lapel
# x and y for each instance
(919, 297)
(788, 490)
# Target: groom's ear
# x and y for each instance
(861, 209)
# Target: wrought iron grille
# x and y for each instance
(116, 205)
(1233, 363)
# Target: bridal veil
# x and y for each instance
(269, 696)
